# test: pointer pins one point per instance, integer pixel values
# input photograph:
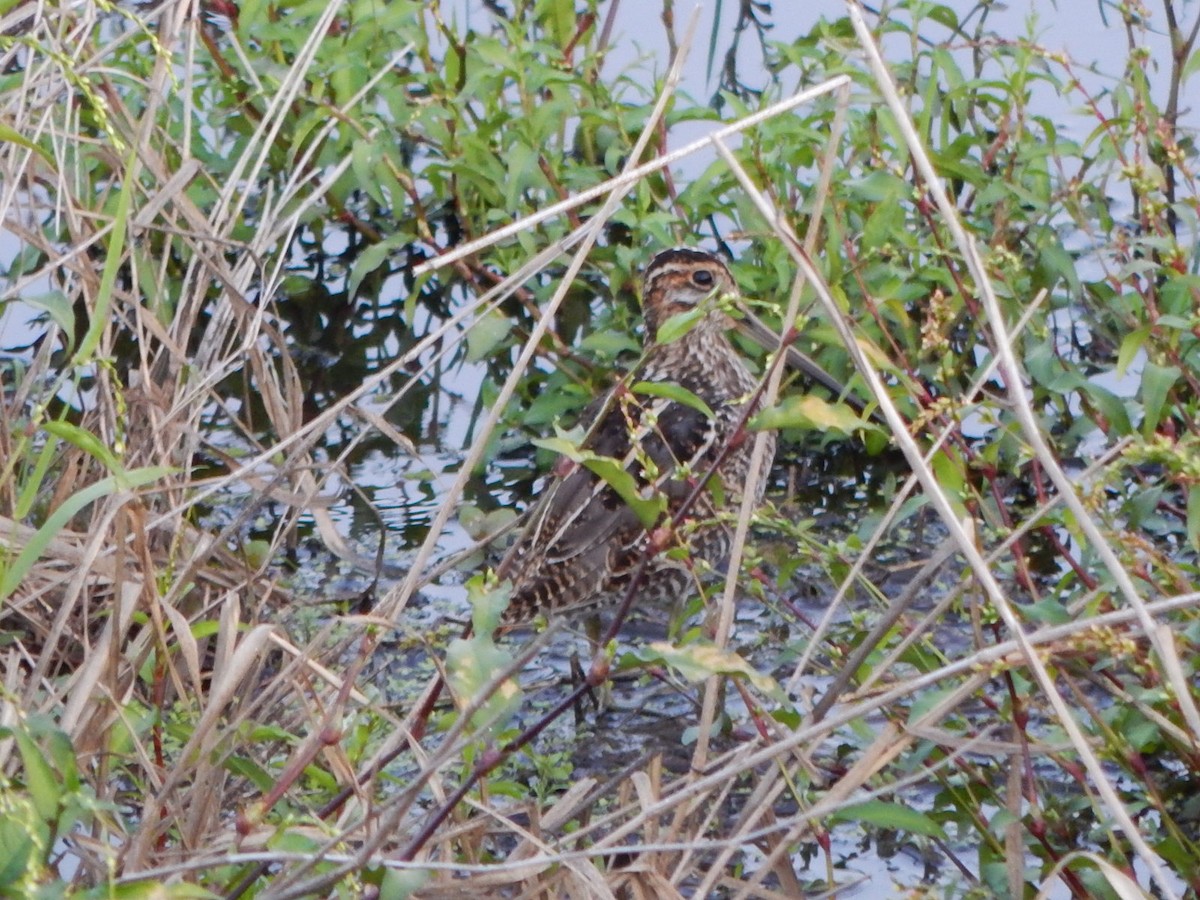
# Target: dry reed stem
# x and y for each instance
(880, 532)
(615, 826)
(646, 816)
(102, 552)
(773, 376)
(1159, 636)
(630, 177)
(887, 745)
(391, 605)
(984, 659)
(397, 599)
(400, 595)
(395, 602)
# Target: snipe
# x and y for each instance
(583, 542)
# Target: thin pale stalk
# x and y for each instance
(728, 606)
(743, 759)
(396, 601)
(1159, 640)
(629, 177)
(893, 510)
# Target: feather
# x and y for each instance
(582, 542)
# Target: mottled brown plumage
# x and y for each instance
(583, 542)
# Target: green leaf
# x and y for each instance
(679, 324)
(949, 468)
(487, 604)
(1142, 506)
(485, 335)
(1174, 323)
(12, 575)
(559, 18)
(609, 344)
(890, 815)
(364, 158)
(1130, 345)
(293, 841)
(696, 662)
(114, 261)
(1047, 612)
(1157, 382)
(400, 884)
(33, 483)
(1110, 406)
(17, 847)
(479, 524)
(251, 771)
(952, 167)
(472, 663)
(928, 701)
(44, 787)
(1191, 66)
(11, 136)
(944, 15)
(551, 403)
(59, 307)
(87, 442)
(647, 509)
(523, 173)
(1056, 262)
(372, 258)
(1193, 515)
(882, 225)
(256, 552)
(674, 392)
(879, 187)
(809, 412)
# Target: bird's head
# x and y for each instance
(680, 280)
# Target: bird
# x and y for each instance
(672, 440)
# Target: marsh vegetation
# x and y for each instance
(289, 290)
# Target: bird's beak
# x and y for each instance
(766, 337)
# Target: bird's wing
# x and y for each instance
(583, 527)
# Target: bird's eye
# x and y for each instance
(702, 278)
